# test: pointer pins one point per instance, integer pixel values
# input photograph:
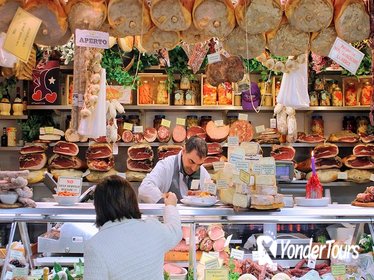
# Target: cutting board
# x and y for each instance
(362, 204)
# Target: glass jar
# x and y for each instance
(325, 98)
(209, 94)
(268, 100)
(225, 94)
(145, 93)
(319, 84)
(351, 95)
(184, 83)
(231, 119)
(204, 120)
(191, 121)
(134, 119)
(366, 93)
(162, 93)
(314, 98)
(157, 121)
(337, 97)
(349, 123)
(190, 98)
(178, 97)
(317, 125)
(362, 124)
(238, 99)
(120, 121)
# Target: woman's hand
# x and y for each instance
(170, 199)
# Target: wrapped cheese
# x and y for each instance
(258, 16)
(265, 180)
(236, 44)
(259, 199)
(309, 16)
(7, 10)
(241, 200)
(287, 40)
(215, 17)
(129, 17)
(193, 35)
(226, 196)
(321, 42)
(266, 190)
(171, 15)
(351, 19)
(156, 39)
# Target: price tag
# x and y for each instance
(260, 128)
(237, 254)
(227, 242)
(268, 169)
(210, 188)
(115, 149)
(342, 175)
(181, 121)
(243, 117)
(86, 173)
(128, 126)
(20, 271)
(214, 254)
(244, 176)
(212, 264)
(195, 184)
(218, 165)
(312, 262)
(138, 129)
(219, 123)
(165, 123)
(37, 272)
(235, 158)
(255, 256)
(222, 184)
(92, 39)
(273, 123)
(346, 55)
(15, 254)
(233, 141)
(216, 274)
(214, 57)
(372, 177)
(242, 165)
(69, 184)
(338, 269)
(48, 130)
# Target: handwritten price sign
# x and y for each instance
(69, 184)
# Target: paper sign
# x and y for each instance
(165, 123)
(244, 176)
(128, 126)
(342, 175)
(222, 184)
(372, 177)
(216, 274)
(237, 254)
(243, 117)
(37, 272)
(69, 184)
(195, 184)
(268, 169)
(210, 188)
(227, 242)
(219, 123)
(181, 121)
(15, 254)
(21, 34)
(233, 141)
(218, 165)
(273, 123)
(48, 130)
(115, 149)
(20, 271)
(260, 128)
(338, 269)
(138, 129)
(214, 57)
(242, 165)
(346, 55)
(235, 158)
(255, 256)
(91, 39)
(214, 254)
(212, 264)
(9, 275)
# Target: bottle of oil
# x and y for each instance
(4, 138)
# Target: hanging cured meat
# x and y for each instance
(215, 17)
(7, 10)
(86, 14)
(193, 35)
(358, 162)
(236, 44)
(258, 16)
(321, 42)
(229, 69)
(326, 150)
(129, 17)
(54, 26)
(287, 40)
(351, 19)
(156, 39)
(171, 15)
(310, 16)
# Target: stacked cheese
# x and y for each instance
(50, 134)
(264, 194)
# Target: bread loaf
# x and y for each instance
(258, 16)
(321, 42)
(287, 40)
(236, 44)
(156, 39)
(170, 15)
(215, 17)
(309, 16)
(351, 19)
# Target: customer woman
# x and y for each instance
(127, 247)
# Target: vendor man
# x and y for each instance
(176, 173)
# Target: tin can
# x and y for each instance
(12, 140)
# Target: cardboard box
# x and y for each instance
(153, 81)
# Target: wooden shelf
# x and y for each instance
(23, 117)
(10, 149)
(49, 107)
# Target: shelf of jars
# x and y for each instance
(11, 117)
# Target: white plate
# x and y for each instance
(199, 203)
(312, 202)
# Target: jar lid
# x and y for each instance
(192, 116)
(159, 116)
(133, 117)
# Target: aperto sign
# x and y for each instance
(92, 39)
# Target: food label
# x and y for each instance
(20, 271)
(219, 123)
(165, 123)
(21, 34)
(260, 128)
(115, 149)
(15, 254)
(214, 254)
(273, 123)
(244, 176)
(138, 129)
(218, 165)
(268, 169)
(242, 165)
(228, 240)
(195, 184)
(342, 175)
(37, 272)
(237, 254)
(233, 141)
(243, 117)
(212, 264)
(69, 184)
(48, 130)
(91, 39)
(338, 269)
(210, 188)
(235, 158)
(9, 275)
(181, 121)
(216, 274)
(222, 184)
(255, 256)
(214, 57)
(128, 126)
(346, 55)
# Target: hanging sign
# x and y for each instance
(92, 39)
